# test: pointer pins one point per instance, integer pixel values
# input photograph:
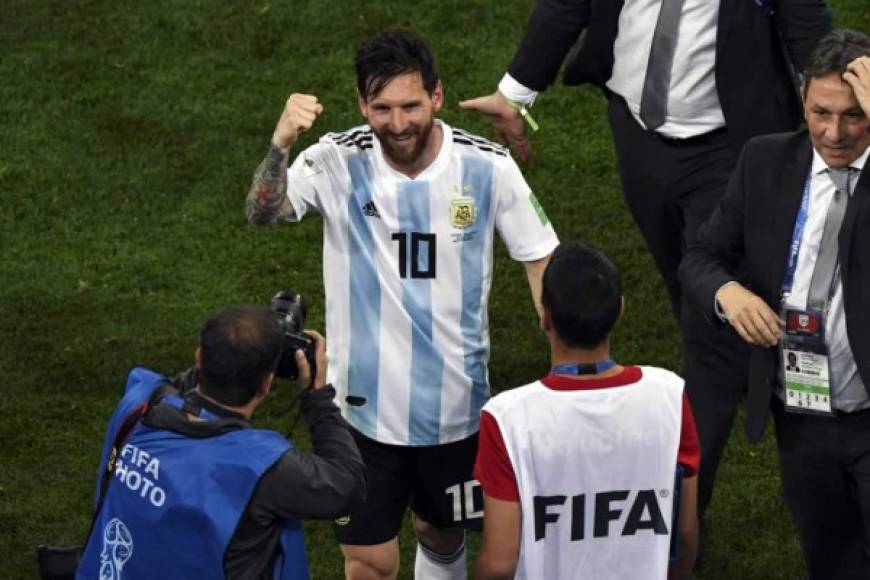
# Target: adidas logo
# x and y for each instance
(371, 210)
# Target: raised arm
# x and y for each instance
(858, 77)
(327, 482)
(267, 200)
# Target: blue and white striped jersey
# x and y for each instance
(407, 267)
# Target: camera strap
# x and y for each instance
(121, 438)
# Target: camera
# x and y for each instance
(292, 311)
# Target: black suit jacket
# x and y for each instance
(753, 226)
(754, 77)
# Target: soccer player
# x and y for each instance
(410, 206)
(578, 469)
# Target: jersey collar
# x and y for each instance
(438, 164)
(628, 376)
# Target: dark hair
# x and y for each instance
(582, 292)
(391, 53)
(834, 52)
(239, 347)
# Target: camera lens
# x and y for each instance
(292, 309)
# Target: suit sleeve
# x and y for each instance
(801, 24)
(552, 29)
(712, 259)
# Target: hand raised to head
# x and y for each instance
(858, 76)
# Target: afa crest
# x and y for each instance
(463, 212)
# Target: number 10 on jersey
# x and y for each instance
(418, 249)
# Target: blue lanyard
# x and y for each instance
(584, 369)
(178, 403)
(797, 239)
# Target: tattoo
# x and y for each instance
(267, 200)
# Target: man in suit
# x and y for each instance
(805, 283)
(687, 82)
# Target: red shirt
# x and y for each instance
(493, 468)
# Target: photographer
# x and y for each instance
(188, 489)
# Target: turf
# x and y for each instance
(130, 131)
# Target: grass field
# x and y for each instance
(130, 131)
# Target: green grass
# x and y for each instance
(129, 134)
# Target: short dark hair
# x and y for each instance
(239, 346)
(834, 52)
(582, 291)
(391, 53)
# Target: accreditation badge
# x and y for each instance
(804, 363)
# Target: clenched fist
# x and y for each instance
(299, 114)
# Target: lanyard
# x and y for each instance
(797, 239)
(181, 404)
(584, 368)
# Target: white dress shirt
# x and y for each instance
(693, 104)
(847, 389)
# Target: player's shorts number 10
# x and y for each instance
(463, 500)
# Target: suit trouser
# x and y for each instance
(825, 466)
(671, 187)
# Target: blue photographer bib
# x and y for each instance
(174, 502)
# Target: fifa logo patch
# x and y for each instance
(463, 212)
(310, 167)
(117, 549)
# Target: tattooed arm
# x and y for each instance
(267, 201)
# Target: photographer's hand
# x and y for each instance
(319, 358)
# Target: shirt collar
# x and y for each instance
(819, 164)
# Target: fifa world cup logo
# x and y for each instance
(117, 549)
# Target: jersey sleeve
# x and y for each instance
(520, 219)
(493, 467)
(689, 454)
(308, 179)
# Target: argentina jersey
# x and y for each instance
(407, 271)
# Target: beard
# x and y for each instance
(404, 149)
